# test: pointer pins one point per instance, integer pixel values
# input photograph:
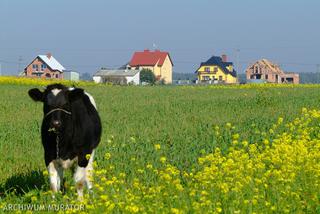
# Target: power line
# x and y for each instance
(171, 49)
(20, 61)
(10, 62)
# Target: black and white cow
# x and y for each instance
(70, 131)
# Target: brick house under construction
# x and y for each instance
(44, 66)
(264, 70)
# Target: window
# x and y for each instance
(36, 74)
(207, 69)
(266, 76)
(48, 75)
(256, 70)
(206, 78)
(35, 67)
(57, 75)
(215, 70)
(43, 67)
(220, 78)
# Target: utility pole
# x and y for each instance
(19, 64)
(318, 73)
(238, 60)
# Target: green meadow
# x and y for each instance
(179, 120)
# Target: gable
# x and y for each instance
(266, 65)
(149, 58)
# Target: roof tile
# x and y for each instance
(148, 58)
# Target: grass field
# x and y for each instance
(178, 149)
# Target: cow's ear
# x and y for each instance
(75, 94)
(36, 94)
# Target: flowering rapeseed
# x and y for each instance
(280, 174)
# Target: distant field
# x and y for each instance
(161, 129)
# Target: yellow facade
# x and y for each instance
(213, 72)
(164, 71)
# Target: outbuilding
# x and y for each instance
(117, 76)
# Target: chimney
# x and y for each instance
(224, 58)
(49, 55)
(146, 50)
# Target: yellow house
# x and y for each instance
(217, 70)
(157, 61)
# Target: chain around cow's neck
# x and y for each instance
(57, 109)
(57, 146)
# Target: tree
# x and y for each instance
(146, 75)
(86, 76)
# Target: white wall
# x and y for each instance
(134, 79)
(97, 79)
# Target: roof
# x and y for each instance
(271, 66)
(116, 72)
(149, 58)
(52, 63)
(217, 61)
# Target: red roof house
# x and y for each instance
(158, 62)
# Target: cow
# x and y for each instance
(70, 132)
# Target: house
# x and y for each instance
(71, 75)
(266, 71)
(117, 76)
(44, 66)
(216, 70)
(158, 62)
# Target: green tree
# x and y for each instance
(146, 75)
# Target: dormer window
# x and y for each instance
(35, 67)
(43, 67)
(207, 69)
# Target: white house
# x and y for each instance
(117, 76)
(71, 75)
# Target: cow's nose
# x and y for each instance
(56, 123)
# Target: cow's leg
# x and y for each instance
(55, 173)
(60, 177)
(83, 174)
(79, 178)
(89, 171)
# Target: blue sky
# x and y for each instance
(87, 35)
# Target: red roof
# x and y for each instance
(149, 58)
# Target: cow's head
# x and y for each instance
(57, 100)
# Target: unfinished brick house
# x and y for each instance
(266, 71)
(44, 66)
